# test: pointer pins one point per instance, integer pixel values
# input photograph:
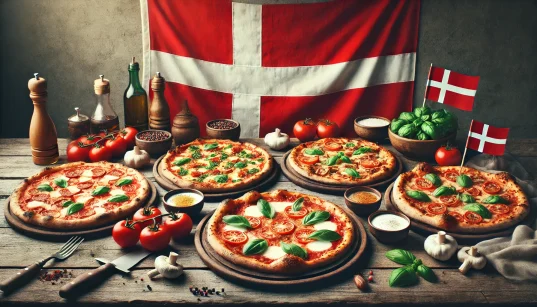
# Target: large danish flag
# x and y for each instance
(451, 88)
(268, 66)
(487, 139)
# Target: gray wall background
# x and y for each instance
(71, 42)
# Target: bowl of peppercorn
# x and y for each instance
(155, 142)
(223, 129)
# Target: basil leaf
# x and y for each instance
(210, 146)
(221, 178)
(431, 130)
(197, 155)
(495, 199)
(464, 181)
(202, 177)
(266, 209)
(362, 150)
(237, 221)
(479, 209)
(45, 187)
(183, 172)
(100, 191)
(345, 159)
(418, 195)
(314, 152)
(253, 171)
(400, 256)
(348, 145)
(228, 146)
(315, 217)
(293, 249)
(182, 161)
(434, 179)
(402, 277)
(212, 165)
(193, 148)
(67, 203)
(408, 116)
(244, 154)
(297, 205)
(74, 208)
(466, 198)
(443, 190)
(352, 172)
(118, 198)
(124, 181)
(396, 124)
(240, 165)
(332, 160)
(224, 156)
(235, 180)
(325, 235)
(426, 273)
(60, 182)
(254, 247)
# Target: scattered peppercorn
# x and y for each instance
(153, 135)
(149, 287)
(222, 124)
(54, 275)
(370, 278)
(371, 272)
(141, 279)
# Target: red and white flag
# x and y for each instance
(451, 88)
(268, 66)
(487, 139)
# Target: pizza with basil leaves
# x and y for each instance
(79, 195)
(463, 200)
(280, 231)
(216, 165)
(342, 161)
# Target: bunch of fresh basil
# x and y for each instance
(424, 124)
(406, 276)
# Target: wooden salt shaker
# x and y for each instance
(185, 126)
(159, 111)
(43, 136)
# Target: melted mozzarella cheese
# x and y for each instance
(325, 225)
(100, 210)
(99, 203)
(73, 190)
(319, 246)
(116, 192)
(280, 206)
(55, 194)
(35, 204)
(82, 198)
(62, 177)
(274, 252)
(110, 177)
(87, 173)
(84, 179)
(229, 227)
(253, 211)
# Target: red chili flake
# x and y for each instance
(370, 278)
(371, 272)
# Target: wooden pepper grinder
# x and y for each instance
(185, 126)
(43, 137)
(159, 112)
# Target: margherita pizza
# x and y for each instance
(472, 201)
(79, 195)
(216, 165)
(342, 161)
(280, 231)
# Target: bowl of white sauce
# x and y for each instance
(389, 226)
(371, 128)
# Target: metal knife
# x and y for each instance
(83, 283)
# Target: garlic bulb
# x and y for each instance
(136, 158)
(167, 267)
(440, 246)
(277, 140)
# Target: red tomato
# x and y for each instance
(499, 209)
(254, 221)
(129, 134)
(491, 187)
(89, 139)
(368, 163)
(147, 213)
(327, 129)
(309, 160)
(451, 175)
(424, 184)
(296, 214)
(155, 238)
(447, 155)
(449, 200)
(99, 153)
(77, 153)
(474, 191)
(436, 209)
(268, 234)
(301, 235)
(472, 217)
(456, 215)
(71, 144)
(305, 130)
(283, 227)
(117, 145)
(333, 146)
(234, 237)
(179, 225)
(126, 235)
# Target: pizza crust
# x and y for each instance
(287, 264)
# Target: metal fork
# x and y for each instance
(27, 274)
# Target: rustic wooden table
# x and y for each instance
(18, 251)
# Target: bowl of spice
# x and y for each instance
(223, 129)
(371, 128)
(362, 200)
(189, 201)
(388, 226)
(155, 142)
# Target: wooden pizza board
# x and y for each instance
(250, 277)
(42, 233)
(311, 185)
(468, 238)
(168, 185)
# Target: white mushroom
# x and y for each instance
(167, 267)
(470, 258)
(440, 246)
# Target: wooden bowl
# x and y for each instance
(417, 149)
(361, 209)
(388, 236)
(227, 134)
(371, 133)
(155, 148)
(195, 209)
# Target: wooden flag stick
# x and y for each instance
(466, 147)
(427, 85)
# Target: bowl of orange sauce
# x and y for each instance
(189, 201)
(363, 200)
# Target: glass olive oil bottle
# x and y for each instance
(135, 100)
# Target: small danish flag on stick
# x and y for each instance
(486, 139)
(451, 88)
